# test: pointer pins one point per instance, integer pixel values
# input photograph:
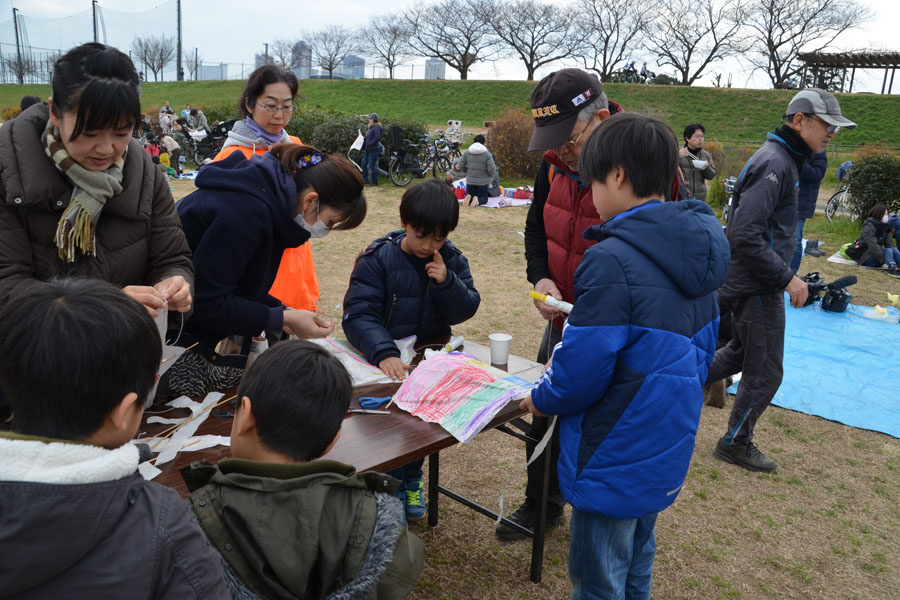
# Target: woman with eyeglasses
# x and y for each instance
(267, 105)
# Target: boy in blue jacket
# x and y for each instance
(410, 282)
(627, 377)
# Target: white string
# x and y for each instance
(538, 450)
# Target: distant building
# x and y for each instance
(434, 68)
(303, 54)
(352, 67)
(212, 72)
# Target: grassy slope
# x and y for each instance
(728, 114)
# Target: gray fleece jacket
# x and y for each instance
(241, 135)
(478, 165)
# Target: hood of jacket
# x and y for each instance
(478, 148)
(685, 239)
(262, 178)
(50, 489)
(298, 550)
(241, 135)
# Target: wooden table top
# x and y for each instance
(368, 442)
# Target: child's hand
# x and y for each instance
(528, 406)
(176, 292)
(306, 325)
(146, 295)
(394, 368)
(436, 269)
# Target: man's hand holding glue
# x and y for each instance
(548, 288)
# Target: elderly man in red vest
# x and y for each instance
(567, 106)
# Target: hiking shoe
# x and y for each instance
(415, 500)
(714, 394)
(746, 456)
(525, 516)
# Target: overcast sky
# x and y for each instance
(232, 31)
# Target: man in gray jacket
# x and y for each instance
(761, 232)
(478, 165)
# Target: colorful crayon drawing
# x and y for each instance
(459, 392)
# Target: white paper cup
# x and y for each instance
(500, 348)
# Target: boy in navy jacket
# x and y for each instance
(410, 282)
(627, 377)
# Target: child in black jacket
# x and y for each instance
(410, 282)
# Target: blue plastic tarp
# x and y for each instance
(841, 366)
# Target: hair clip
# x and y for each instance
(310, 159)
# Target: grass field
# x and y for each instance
(826, 525)
(728, 113)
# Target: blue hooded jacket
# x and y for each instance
(388, 299)
(627, 377)
(238, 224)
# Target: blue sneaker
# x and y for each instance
(415, 500)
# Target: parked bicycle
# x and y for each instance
(408, 161)
(729, 198)
(839, 206)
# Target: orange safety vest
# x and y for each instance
(296, 284)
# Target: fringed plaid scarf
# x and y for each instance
(78, 224)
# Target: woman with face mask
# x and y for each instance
(239, 223)
(878, 237)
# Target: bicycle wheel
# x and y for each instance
(399, 177)
(441, 166)
(838, 206)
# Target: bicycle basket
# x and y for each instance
(396, 134)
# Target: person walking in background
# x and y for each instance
(372, 149)
(695, 162)
(478, 166)
(761, 233)
(811, 175)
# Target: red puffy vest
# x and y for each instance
(568, 212)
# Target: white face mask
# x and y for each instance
(319, 230)
(884, 219)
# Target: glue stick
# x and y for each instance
(559, 305)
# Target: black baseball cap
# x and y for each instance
(555, 103)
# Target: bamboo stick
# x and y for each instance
(168, 433)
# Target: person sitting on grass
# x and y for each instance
(410, 282)
(878, 238)
(627, 376)
(287, 525)
(78, 360)
(477, 164)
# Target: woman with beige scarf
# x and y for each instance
(78, 196)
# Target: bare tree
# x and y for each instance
(689, 35)
(535, 32)
(192, 64)
(386, 38)
(331, 46)
(286, 53)
(155, 52)
(441, 30)
(783, 28)
(20, 66)
(611, 30)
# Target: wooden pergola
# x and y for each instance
(889, 61)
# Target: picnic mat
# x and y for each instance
(841, 366)
(502, 202)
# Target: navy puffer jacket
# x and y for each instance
(389, 299)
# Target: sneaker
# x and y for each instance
(746, 456)
(894, 272)
(524, 516)
(415, 500)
